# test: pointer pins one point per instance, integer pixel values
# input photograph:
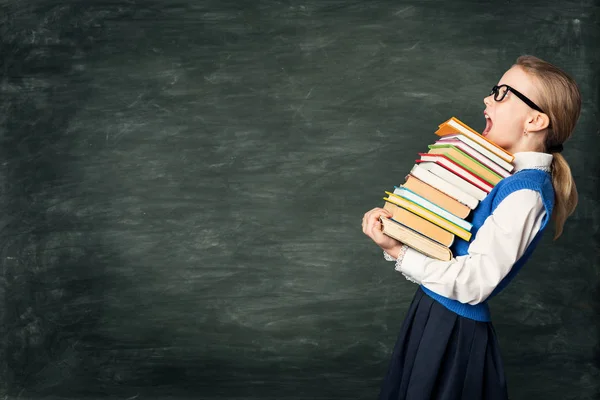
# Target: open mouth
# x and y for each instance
(488, 125)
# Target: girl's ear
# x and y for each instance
(538, 122)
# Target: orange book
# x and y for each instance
(419, 224)
(453, 125)
(415, 240)
(435, 196)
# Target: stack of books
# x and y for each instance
(432, 207)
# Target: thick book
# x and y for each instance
(428, 215)
(434, 208)
(453, 125)
(466, 161)
(419, 224)
(472, 152)
(425, 175)
(415, 240)
(436, 196)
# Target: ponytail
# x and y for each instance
(565, 193)
(561, 100)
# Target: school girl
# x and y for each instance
(447, 347)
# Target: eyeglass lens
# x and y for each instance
(499, 92)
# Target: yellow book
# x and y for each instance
(428, 215)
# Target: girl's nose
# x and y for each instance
(487, 100)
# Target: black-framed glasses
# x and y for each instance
(500, 92)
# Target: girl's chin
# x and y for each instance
(491, 138)
(498, 143)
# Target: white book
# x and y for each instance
(454, 179)
(459, 195)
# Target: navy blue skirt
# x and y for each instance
(443, 356)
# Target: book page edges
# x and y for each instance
(416, 241)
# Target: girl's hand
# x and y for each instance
(373, 228)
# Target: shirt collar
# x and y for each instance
(532, 160)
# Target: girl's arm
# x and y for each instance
(499, 243)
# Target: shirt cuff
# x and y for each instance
(388, 257)
(411, 265)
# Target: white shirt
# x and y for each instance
(499, 243)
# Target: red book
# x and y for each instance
(455, 168)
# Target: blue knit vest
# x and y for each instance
(532, 179)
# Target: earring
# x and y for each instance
(525, 133)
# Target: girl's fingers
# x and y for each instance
(371, 223)
(376, 214)
(374, 225)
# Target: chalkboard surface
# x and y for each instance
(182, 185)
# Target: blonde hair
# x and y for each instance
(561, 101)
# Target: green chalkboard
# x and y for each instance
(183, 183)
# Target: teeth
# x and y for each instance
(487, 116)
